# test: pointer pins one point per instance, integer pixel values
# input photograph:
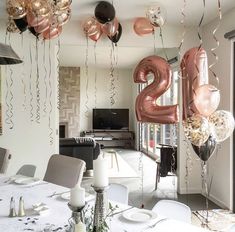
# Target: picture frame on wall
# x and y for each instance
(0, 103)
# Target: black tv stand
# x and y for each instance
(112, 138)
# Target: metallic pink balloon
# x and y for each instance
(42, 26)
(110, 28)
(147, 110)
(91, 26)
(52, 33)
(142, 26)
(206, 99)
(96, 36)
(194, 69)
(33, 20)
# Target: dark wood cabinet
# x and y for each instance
(124, 139)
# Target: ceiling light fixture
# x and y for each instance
(8, 55)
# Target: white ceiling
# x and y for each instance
(130, 9)
(131, 47)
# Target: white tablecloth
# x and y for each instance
(59, 212)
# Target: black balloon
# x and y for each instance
(32, 30)
(21, 24)
(104, 12)
(206, 150)
(115, 38)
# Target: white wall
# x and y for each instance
(29, 141)
(222, 182)
(123, 97)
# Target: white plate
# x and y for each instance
(139, 215)
(27, 180)
(66, 196)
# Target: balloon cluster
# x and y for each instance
(204, 127)
(43, 18)
(155, 17)
(104, 22)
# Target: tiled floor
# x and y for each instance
(166, 188)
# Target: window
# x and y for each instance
(154, 134)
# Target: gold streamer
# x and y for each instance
(217, 44)
(112, 78)
(30, 84)
(45, 79)
(50, 99)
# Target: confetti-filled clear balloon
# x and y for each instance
(223, 124)
(11, 27)
(156, 15)
(16, 8)
(197, 129)
(39, 8)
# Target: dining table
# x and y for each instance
(56, 217)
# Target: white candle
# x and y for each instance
(80, 227)
(77, 196)
(100, 168)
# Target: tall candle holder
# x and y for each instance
(101, 207)
(77, 216)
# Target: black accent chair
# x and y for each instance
(83, 148)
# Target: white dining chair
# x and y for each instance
(118, 193)
(27, 170)
(174, 210)
(232, 228)
(4, 159)
(64, 170)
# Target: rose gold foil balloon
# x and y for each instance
(43, 26)
(52, 32)
(39, 7)
(194, 69)
(34, 20)
(63, 16)
(91, 26)
(206, 99)
(147, 110)
(110, 28)
(142, 26)
(62, 4)
(16, 8)
(95, 37)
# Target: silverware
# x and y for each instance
(33, 185)
(122, 211)
(56, 194)
(153, 225)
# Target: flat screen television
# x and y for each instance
(110, 119)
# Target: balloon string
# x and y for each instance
(11, 97)
(112, 78)
(45, 79)
(7, 87)
(30, 83)
(182, 22)
(95, 57)
(140, 166)
(154, 43)
(50, 99)
(58, 73)
(87, 79)
(37, 85)
(163, 44)
(117, 59)
(217, 44)
(23, 74)
(199, 25)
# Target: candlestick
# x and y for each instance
(101, 207)
(77, 196)
(100, 172)
(76, 221)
